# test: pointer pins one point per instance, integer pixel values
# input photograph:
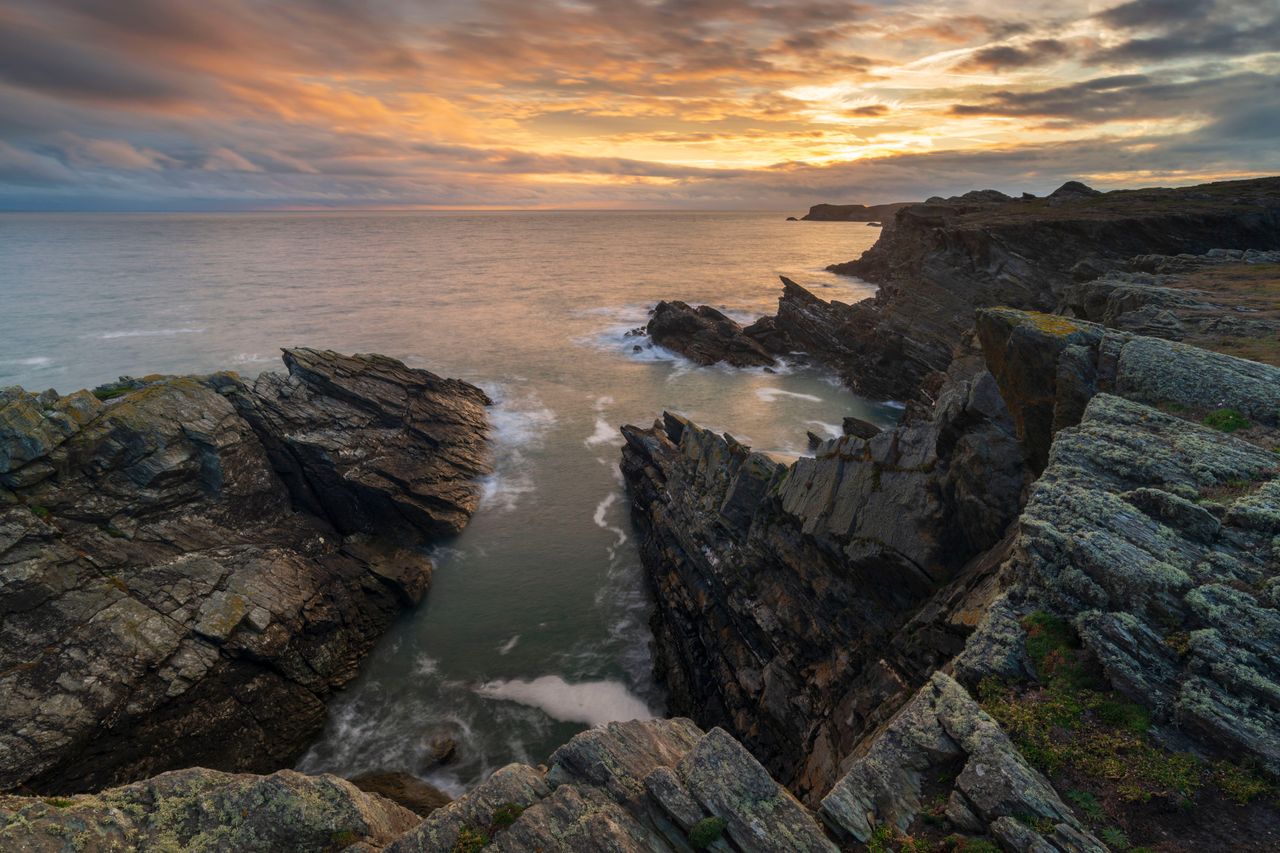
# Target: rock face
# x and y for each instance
(942, 259)
(785, 593)
(705, 336)
(189, 567)
(204, 810)
(627, 786)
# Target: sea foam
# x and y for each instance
(591, 702)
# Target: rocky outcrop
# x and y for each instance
(942, 747)
(1048, 367)
(853, 212)
(655, 785)
(1223, 300)
(785, 593)
(705, 336)
(944, 258)
(189, 565)
(204, 810)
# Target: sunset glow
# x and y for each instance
(143, 104)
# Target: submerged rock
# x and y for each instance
(173, 590)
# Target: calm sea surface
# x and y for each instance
(536, 624)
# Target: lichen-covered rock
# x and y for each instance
(636, 786)
(1143, 527)
(943, 733)
(203, 811)
(163, 603)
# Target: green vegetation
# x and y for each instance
(1076, 730)
(706, 831)
(40, 512)
(59, 802)
(506, 814)
(1226, 420)
(1114, 838)
(965, 844)
(470, 841)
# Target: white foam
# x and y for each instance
(601, 518)
(148, 333)
(591, 702)
(510, 644)
(35, 361)
(424, 665)
(520, 424)
(606, 433)
(833, 430)
(771, 395)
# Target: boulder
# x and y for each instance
(704, 335)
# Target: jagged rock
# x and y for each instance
(705, 336)
(162, 603)
(943, 733)
(369, 444)
(627, 786)
(860, 428)
(837, 551)
(205, 810)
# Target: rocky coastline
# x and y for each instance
(1040, 613)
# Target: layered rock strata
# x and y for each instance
(785, 594)
(189, 565)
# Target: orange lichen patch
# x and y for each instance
(1054, 324)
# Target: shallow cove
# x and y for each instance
(535, 626)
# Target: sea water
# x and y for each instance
(536, 623)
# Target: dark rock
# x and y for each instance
(705, 336)
(792, 219)
(944, 258)
(1074, 189)
(441, 750)
(163, 603)
(838, 552)
(404, 790)
(853, 212)
(860, 428)
(201, 809)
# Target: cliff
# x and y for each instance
(853, 212)
(190, 565)
(1113, 655)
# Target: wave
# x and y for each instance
(520, 424)
(34, 361)
(510, 644)
(601, 519)
(591, 702)
(772, 395)
(148, 333)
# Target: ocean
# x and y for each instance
(536, 623)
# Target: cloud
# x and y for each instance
(1004, 56)
(713, 103)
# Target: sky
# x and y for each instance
(695, 104)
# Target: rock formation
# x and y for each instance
(705, 336)
(189, 565)
(779, 588)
